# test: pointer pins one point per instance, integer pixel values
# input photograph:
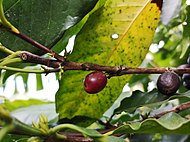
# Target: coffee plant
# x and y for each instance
(127, 77)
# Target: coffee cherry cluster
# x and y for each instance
(168, 83)
(95, 82)
(186, 76)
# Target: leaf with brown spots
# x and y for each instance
(119, 33)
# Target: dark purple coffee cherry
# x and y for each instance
(168, 83)
(188, 60)
(186, 77)
(186, 80)
(186, 85)
(95, 82)
(183, 66)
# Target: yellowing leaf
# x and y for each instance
(133, 21)
(119, 33)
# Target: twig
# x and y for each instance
(176, 109)
(32, 58)
(111, 70)
(120, 70)
(38, 45)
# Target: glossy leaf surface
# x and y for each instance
(138, 98)
(44, 21)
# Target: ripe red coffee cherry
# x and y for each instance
(95, 82)
(168, 83)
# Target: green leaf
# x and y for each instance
(95, 43)
(73, 31)
(109, 139)
(186, 36)
(22, 103)
(39, 84)
(44, 21)
(58, 47)
(79, 120)
(32, 113)
(25, 80)
(170, 123)
(11, 137)
(159, 138)
(184, 46)
(152, 99)
(125, 118)
(138, 98)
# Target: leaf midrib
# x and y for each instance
(129, 27)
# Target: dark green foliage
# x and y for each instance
(44, 21)
(138, 99)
